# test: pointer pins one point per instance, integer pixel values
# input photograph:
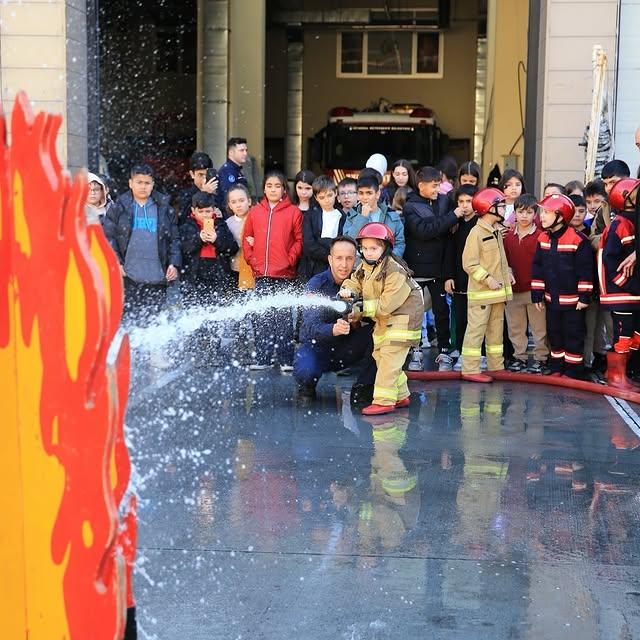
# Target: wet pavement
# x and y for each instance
(500, 511)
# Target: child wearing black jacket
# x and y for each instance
(455, 277)
(207, 247)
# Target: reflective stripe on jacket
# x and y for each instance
(392, 298)
(484, 256)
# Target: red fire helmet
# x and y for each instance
(560, 205)
(377, 231)
(486, 200)
(620, 194)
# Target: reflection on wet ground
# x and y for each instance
(499, 511)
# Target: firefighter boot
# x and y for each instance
(617, 371)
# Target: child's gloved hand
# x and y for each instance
(345, 294)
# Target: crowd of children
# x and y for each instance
(485, 256)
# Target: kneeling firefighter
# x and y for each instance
(394, 301)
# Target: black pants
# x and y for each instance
(460, 309)
(142, 301)
(274, 329)
(314, 359)
(566, 330)
(626, 324)
(440, 312)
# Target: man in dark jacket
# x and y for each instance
(428, 218)
(230, 173)
(143, 231)
(330, 342)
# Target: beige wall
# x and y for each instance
(569, 30)
(507, 24)
(452, 97)
(246, 74)
(43, 51)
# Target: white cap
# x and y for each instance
(378, 162)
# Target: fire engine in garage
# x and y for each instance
(404, 130)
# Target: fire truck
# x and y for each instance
(406, 131)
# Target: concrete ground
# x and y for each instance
(499, 511)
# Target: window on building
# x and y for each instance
(390, 54)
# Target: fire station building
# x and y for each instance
(509, 82)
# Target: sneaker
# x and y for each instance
(258, 367)
(286, 368)
(416, 363)
(517, 366)
(538, 367)
(454, 354)
(444, 362)
(425, 343)
(458, 365)
(483, 363)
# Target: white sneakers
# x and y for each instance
(416, 363)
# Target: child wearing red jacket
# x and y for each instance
(618, 293)
(272, 246)
(520, 246)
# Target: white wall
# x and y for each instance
(628, 94)
(572, 28)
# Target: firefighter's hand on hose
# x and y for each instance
(492, 283)
(581, 305)
(540, 306)
(627, 265)
(449, 286)
(341, 327)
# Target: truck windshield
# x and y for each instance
(349, 146)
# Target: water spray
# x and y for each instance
(168, 327)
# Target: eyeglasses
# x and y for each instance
(95, 189)
(347, 193)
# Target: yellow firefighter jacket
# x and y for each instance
(484, 256)
(392, 298)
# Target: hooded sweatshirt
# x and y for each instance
(95, 213)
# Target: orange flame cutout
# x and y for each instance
(64, 466)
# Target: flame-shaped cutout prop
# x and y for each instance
(68, 533)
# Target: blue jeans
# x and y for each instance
(312, 360)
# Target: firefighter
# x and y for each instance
(394, 301)
(562, 282)
(489, 288)
(618, 293)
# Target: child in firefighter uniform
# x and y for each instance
(394, 301)
(562, 283)
(618, 293)
(489, 288)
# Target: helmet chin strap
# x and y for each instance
(556, 222)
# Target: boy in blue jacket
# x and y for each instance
(370, 209)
